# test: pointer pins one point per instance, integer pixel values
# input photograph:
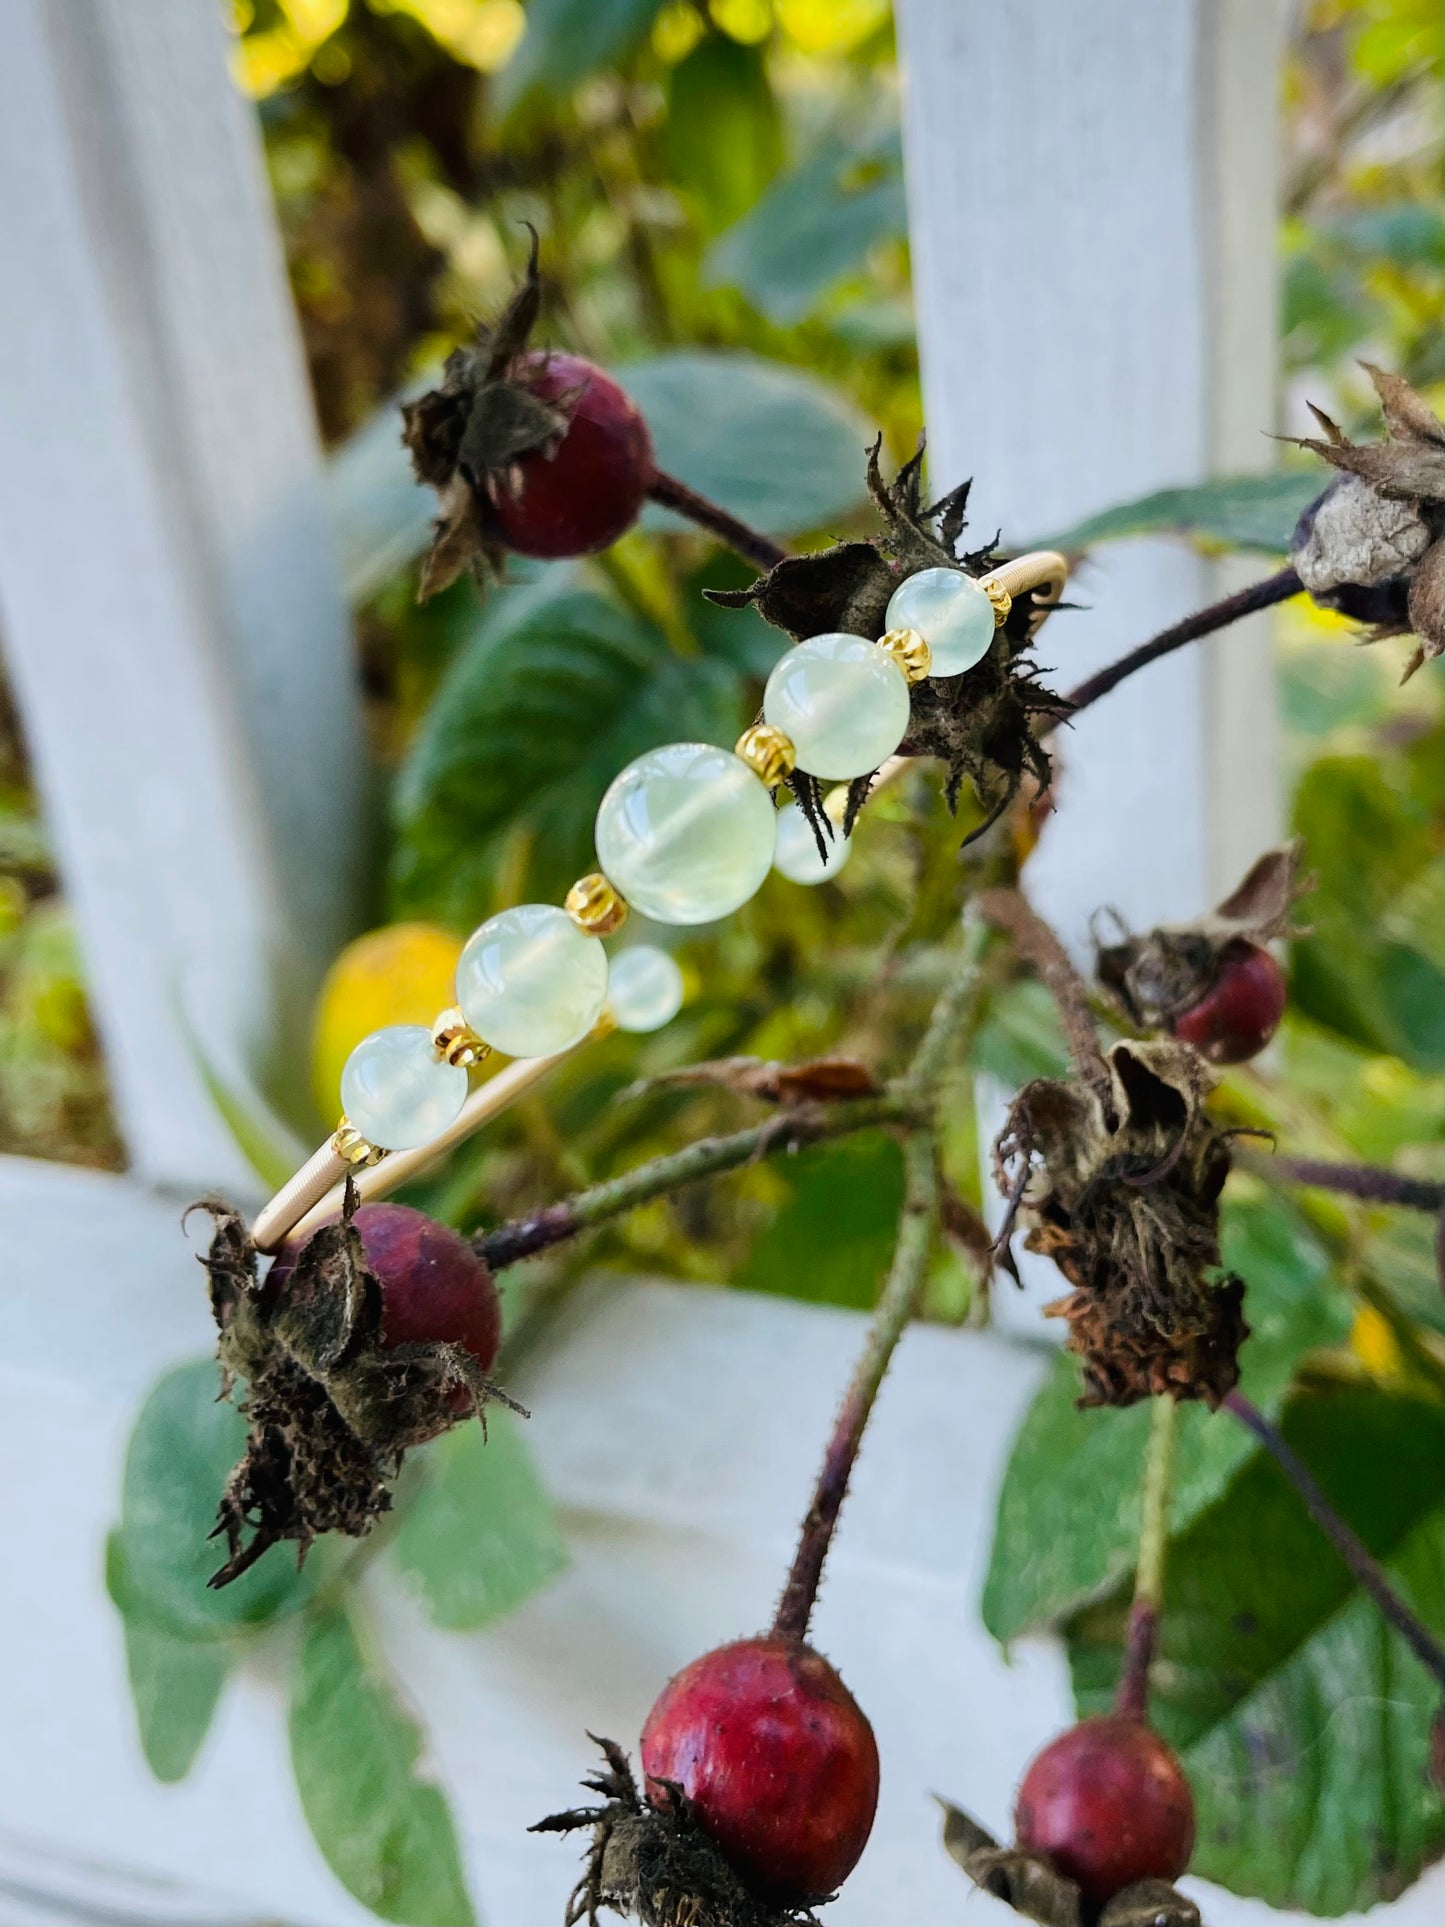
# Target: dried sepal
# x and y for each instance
(986, 725)
(1373, 545)
(1120, 1187)
(330, 1411)
(652, 1862)
(467, 435)
(1027, 1883)
(1156, 975)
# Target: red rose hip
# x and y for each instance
(1107, 1804)
(590, 489)
(1240, 1011)
(434, 1287)
(776, 1757)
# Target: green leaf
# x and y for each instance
(383, 1825)
(1302, 1720)
(832, 1238)
(1021, 1036)
(175, 1685)
(568, 39)
(1255, 512)
(812, 227)
(481, 1535)
(1068, 1514)
(723, 137)
(770, 443)
(182, 1449)
(553, 695)
(1370, 967)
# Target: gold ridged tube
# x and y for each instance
(489, 1100)
(323, 1170)
(1044, 571)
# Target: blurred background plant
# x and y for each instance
(719, 192)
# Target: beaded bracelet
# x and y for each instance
(686, 834)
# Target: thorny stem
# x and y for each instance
(898, 1303)
(1342, 1537)
(1364, 1181)
(1131, 1700)
(896, 1308)
(753, 546)
(1204, 622)
(706, 1158)
(1033, 938)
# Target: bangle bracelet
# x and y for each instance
(686, 834)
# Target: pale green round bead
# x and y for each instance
(686, 833)
(644, 988)
(843, 703)
(951, 613)
(396, 1092)
(797, 856)
(530, 982)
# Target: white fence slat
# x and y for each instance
(1087, 224)
(168, 590)
(679, 1435)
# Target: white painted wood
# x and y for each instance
(1091, 199)
(168, 588)
(679, 1429)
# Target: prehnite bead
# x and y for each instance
(396, 1091)
(531, 982)
(644, 988)
(797, 856)
(686, 833)
(951, 613)
(842, 701)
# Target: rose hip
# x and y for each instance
(1107, 1804)
(590, 489)
(435, 1289)
(1240, 1011)
(777, 1758)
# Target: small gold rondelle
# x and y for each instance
(1002, 601)
(910, 651)
(595, 906)
(348, 1143)
(768, 751)
(453, 1040)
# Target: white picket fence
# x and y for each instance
(1094, 260)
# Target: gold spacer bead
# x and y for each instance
(453, 1040)
(595, 907)
(910, 651)
(348, 1143)
(1002, 601)
(768, 751)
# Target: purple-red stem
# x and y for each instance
(1141, 1636)
(1204, 622)
(754, 547)
(896, 1308)
(1346, 1542)
(1364, 1181)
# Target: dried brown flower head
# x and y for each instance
(984, 724)
(331, 1411)
(1117, 1179)
(1373, 545)
(654, 1863)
